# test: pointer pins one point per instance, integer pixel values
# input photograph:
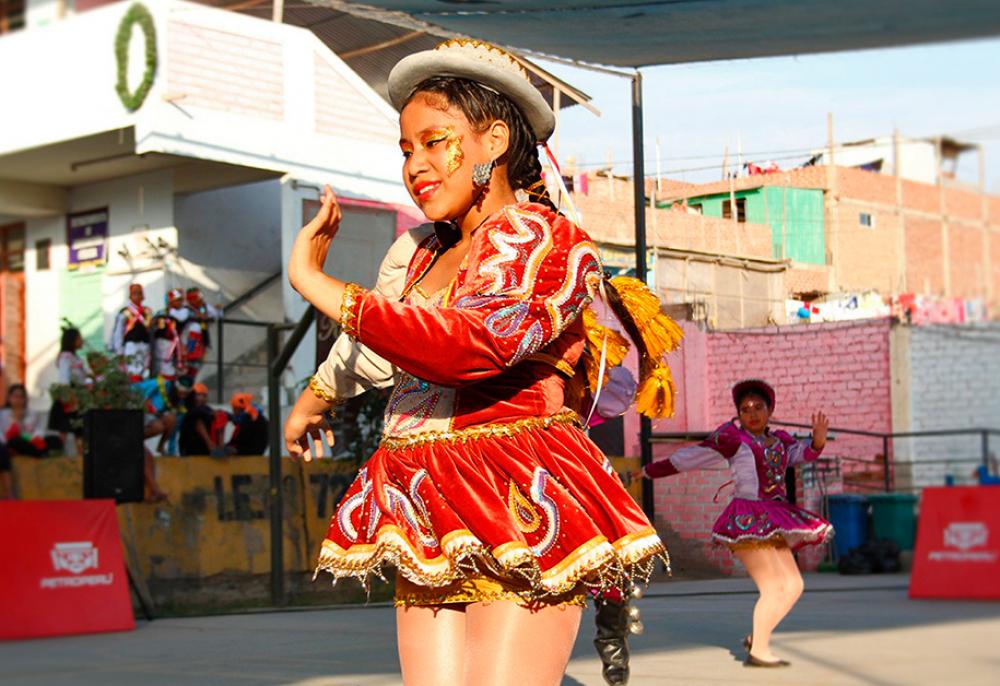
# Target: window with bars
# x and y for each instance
(11, 15)
(12, 248)
(741, 209)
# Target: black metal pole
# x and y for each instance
(639, 191)
(277, 360)
(220, 381)
(986, 450)
(885, 463)
(274, 469)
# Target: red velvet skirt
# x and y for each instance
(533, 502)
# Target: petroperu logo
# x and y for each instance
(960, 539)
(75, 558)
(966, 535)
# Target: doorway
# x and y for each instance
(12, 361)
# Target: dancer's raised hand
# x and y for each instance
(313, 241)
(821, 425)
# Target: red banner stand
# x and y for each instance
(958, 544)
(63, 571)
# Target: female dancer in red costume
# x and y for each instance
(497, 511)
(759, 525)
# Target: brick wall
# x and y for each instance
(607, 214)
(865, 257)
(843, 369)
(869, 259)
(954, 376)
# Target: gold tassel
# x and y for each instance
(617, 348)
(660, 333)
(655, 397)
(656, 334)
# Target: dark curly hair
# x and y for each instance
(482, 106)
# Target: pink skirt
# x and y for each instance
(746, 521)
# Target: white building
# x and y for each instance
(204, 183)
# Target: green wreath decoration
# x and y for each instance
(136, 14)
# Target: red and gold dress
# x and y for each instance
(484, 485)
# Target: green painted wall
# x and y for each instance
(80, 303)
(795, 212)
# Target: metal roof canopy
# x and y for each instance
(632, 33)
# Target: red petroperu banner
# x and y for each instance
(63, 571)
(958, 544)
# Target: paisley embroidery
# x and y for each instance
(743, 521)
(533, 339)
(412, 403)
(352, 503)
(773, 463)
(526, 517)
(548, 505)
(506, 321)
(472, 302)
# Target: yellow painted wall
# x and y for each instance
(216, 520)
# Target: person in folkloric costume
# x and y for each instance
(352, 368)
(195, 338)
(168, 354)
(497, 511)
(130, 336)
(759, 525)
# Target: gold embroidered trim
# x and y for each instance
(350, 309)
(484, 52)
(474, 433)
(482, 589)
(319, 390)
(597, 563)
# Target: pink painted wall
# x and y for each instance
(841, 368)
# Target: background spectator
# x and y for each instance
(196, 432)
(21, 427)
(70, 370)
(251, 434)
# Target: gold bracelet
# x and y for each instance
(350, 321)
(316, 386)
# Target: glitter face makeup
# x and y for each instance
(454, 155)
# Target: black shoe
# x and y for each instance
(612, 622)
(752, 661)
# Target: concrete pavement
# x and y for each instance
(846, 630)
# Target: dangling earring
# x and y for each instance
(482, 172)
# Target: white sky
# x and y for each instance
(771, 105)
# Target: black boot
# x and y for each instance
(612, 622)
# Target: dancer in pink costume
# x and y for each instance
(759, 525)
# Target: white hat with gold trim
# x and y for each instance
(476, 61)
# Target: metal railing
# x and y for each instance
(885, 457)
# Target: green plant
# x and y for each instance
(108, 388)
(136, 14)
